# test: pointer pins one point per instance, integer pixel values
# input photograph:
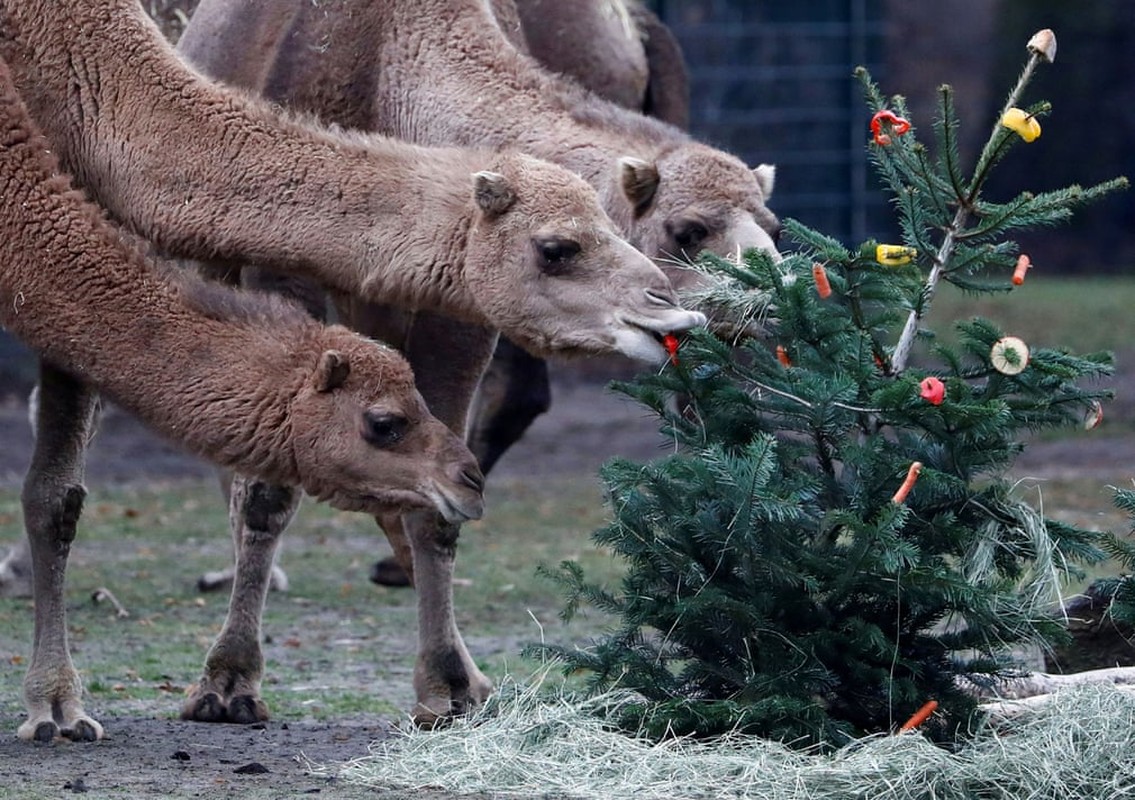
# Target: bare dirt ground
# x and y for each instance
(145, 756)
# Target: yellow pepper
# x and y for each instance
(1024, 125)
(894, 255)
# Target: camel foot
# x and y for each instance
(241, 709)
(16, 574)
(223, 580)
(388, 572)
(80, 729)
(447, 687)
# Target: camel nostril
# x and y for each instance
(658, 298)
(474, 479)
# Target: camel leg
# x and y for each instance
(446, 681)
(229, 689)
(52, 500)
(219, 579)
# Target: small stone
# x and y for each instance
(78, 786)
(252, 768)
(180, 755)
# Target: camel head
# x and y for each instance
(549, 269)
(695, 198)
(365, 440)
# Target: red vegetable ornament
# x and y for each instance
(1023, 266)
(823, 285)
(933, 391)
(670, 342)
(908, 483)
(782, 356)
(920, 716)
(898, 126)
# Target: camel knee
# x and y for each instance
(53, 508)
(265, 508)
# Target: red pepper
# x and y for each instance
(899, 126)
(670, 342)
(932, 390)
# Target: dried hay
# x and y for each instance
(529, 742)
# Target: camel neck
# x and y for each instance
(205, 172)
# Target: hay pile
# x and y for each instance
(527, 744)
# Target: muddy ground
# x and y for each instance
(145, 756)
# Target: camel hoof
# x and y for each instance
(208, 707)
(387, 572)
(45, 732)
(83, 730)
(246, 709)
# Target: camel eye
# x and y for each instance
(383, 429)
(689, 235)
(556, 254)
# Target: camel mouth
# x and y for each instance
(455, 507)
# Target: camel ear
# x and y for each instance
(766, 178)
(332, 371)
(640, 182)
(493, 193)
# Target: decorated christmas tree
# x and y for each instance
(835, 542)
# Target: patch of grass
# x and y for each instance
(1082, 314)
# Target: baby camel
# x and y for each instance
(492, 238)
(256, 387)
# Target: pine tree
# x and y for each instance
(777, 580)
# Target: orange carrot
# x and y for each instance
(908, 484)
(920, 716)
(1023, 266)
(823, 285)
(782, 356)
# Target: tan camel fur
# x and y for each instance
(252, 385)
(491, 238)
(444, 72)
(499, 240)
(619, 50)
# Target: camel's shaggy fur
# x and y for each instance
(618, 49)
(446, 229)
(283, 398)
(444, 72)
(492, 238)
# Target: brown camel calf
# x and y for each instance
(252, 385)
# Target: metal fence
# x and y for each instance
(772, 82)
